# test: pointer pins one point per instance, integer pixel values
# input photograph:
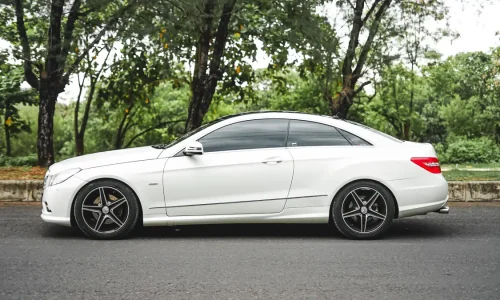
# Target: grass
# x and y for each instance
(21, 173)
(456, 175)
(473, 166)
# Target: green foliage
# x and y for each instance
(460, 150)
(11, 95)
(20, 161)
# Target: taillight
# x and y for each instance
(431, 164)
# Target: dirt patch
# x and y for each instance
(19, 203)
(22, 173)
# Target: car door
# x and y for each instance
(245, 169)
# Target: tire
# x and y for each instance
(363, 210)
(114, 218)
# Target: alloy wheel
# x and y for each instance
(105, 209)
(364, 210)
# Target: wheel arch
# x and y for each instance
(396, 208)
(72, 215)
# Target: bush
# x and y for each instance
(20, 161)
(481, 150)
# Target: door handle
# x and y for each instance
(272, 160)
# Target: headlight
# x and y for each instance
(61, 177)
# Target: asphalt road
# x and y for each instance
(455, 256)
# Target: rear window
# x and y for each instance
(305, 133)
(354, 139)
(376, 131)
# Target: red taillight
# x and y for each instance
(431, 164)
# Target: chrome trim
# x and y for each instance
(246, 201)
(444, 210)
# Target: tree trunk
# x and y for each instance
(45, 142)
(340, 104)
(406, 130)
(7, 138)
(343, 101)
(79, 145)
(195, 113)
(204, 83)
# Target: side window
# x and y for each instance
(354, 139)
(303, 133)
(265, 133)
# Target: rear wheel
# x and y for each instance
(363, 210)
(106, 210)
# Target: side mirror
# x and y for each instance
(193, 148)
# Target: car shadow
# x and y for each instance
(405, 229)
(400, 229)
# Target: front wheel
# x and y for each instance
(106, 210)
(363, 210)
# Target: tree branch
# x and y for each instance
(371, 36)
(90, 95)
(360, 88)
(219, 46)
(370, 11)
(111, 21)
(52, 63)
(21, 29)
(68, 31)
(353, 38)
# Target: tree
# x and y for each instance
(92, 71)
(10, 96)
(50, 59)
(227, 34)
(207, 71)
(380, 22)
(129, 89)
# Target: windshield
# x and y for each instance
(376, 131)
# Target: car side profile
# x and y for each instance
(263, 167)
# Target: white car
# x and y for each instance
(263, 167)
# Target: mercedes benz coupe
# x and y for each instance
(263, 167)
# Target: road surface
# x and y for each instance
(455, 256)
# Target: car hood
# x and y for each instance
(106, 158)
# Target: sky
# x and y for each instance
(476, 25)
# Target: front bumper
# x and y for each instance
(57, 200)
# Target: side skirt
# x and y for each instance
(304, 215)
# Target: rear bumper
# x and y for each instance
(422, 209)
(417, 196)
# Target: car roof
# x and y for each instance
(353, 128)
(274, 111)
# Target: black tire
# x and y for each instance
(356, 222)
(113, 219)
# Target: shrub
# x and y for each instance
(481, 150)
(20, 161)
(440, 151)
